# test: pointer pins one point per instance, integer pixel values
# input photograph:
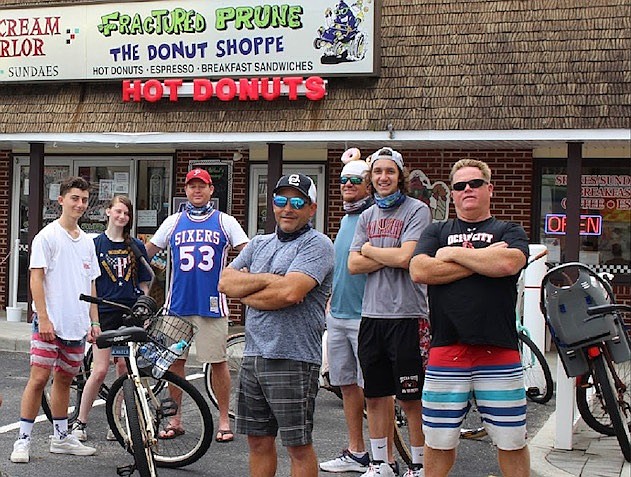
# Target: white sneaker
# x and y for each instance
(379, 469)
(69, 445)
(419, 472)
(110, 435)
(347, 462)
(79, 430)
(20, 454)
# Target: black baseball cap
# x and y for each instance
(301, 183)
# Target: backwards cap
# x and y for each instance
(386, 153)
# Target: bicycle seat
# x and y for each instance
(121, 336)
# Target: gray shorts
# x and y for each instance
(344, 367)
(277, 394)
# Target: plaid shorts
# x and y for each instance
(277, 394)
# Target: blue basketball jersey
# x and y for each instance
(199, 250)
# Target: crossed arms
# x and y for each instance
(266, 291)
(453, 263)
(371, 258)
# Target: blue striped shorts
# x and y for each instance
(489, 376)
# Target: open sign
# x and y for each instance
(589, 224)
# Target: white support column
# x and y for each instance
(565, 409)
(15, 268)
(533, 319)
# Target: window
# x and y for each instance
(605, 224)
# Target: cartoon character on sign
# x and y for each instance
(340, 37)
(436, 195)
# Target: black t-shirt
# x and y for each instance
(476, 309)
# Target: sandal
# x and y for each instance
(224, 435)
(170, 432)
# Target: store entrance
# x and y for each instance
(108, 178)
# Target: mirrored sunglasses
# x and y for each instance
(296, 203)
(354, 180)
(473, 183)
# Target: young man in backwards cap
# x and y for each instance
(285, 279)
(394, 309)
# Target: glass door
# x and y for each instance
(257, 212)
(108, 178)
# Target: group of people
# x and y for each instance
(390, 277)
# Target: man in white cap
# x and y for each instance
(285, 279)
(200, 237)
(344, 316)
(394, 309)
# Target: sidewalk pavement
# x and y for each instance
(593, 454)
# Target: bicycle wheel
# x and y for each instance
(234, 352)
(140, 446)
(472, 427)
(400, 423)
(615, 408)
(76, 391)
(590, 402)
(537, 374)
(193, 409)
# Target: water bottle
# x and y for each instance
(148, 354)
(166, 358)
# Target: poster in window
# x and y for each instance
(221, 173)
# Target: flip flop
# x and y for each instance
(170, 432)
(224, 435)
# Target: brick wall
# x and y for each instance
(5, 221)
(511, 169)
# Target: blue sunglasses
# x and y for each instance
(297, 203)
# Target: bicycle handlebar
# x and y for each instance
(606, 309)
(102, 301)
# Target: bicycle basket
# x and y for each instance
(567, 291)
(165, 331)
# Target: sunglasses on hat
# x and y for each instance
(296, 203)
(473, 183)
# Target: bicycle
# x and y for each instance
(588, 330)
(78, 382)
(140, 402)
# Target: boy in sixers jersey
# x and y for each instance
(471, 264)
(200, 238)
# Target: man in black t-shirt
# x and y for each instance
(471, 265)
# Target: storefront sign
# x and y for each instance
(187, 39)
(601, 191)
(589, 224)
(226, 89)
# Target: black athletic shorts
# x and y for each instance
(390, 358)
(111, 320)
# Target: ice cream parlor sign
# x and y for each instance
(189, 39)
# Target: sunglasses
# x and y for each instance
(297, 203)
(473, 183)
(354, 180)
